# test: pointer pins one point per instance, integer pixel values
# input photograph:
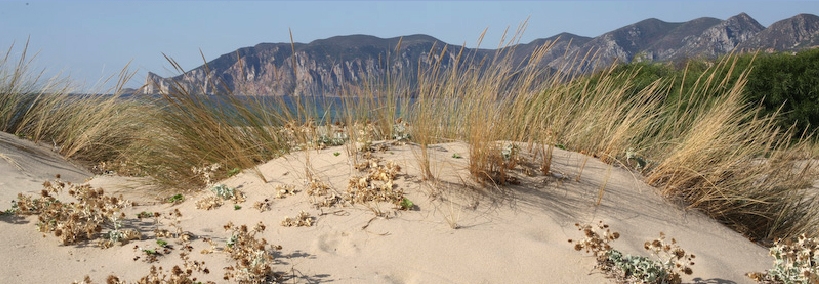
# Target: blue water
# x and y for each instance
(319, 109)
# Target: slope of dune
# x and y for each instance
(456, 232)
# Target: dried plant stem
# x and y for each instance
(602, 188)
(582, 166)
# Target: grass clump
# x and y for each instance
(669, 263)
(722, 157)
(90, 127)
(194, 130)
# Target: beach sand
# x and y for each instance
(511, 234)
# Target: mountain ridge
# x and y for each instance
(323, 66)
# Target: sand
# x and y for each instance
(514, 234)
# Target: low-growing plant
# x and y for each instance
(233, 172)
(210, 202)
(85, 219)
(376, 186)
(399, 130)
(262, 205)
(794, 262)
(406, 204)
(336, 154)
(302, 220)
(253, 256)
(223, 191)
(284, 190)
(175, 230)
(176, 198)
(207, 173)
(339, 138)
(177, 275)
(669, 262)
(321, 194)
(145, 214)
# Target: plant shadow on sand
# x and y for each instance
(292, 274)
(13, 219)
(713, 281)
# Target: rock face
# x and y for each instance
(655, 40)
(798, 32)
(323, 67)
(723, 37)
(318, 68)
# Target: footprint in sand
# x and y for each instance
(337, 243)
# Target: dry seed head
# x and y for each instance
(680, 253)
(259, 227)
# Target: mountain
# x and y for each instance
(723, 37)
(798, 32)
(618, 45)
(324, 66)
(317, 68)
(655, 40)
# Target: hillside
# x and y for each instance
(322, 67)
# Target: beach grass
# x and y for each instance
(87, 127)
(704, 146)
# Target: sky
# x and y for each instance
(88, 41)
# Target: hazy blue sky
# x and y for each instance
(91, 40)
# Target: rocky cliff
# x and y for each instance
(798, 32)
(323, 67)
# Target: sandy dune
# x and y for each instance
(518, 235)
